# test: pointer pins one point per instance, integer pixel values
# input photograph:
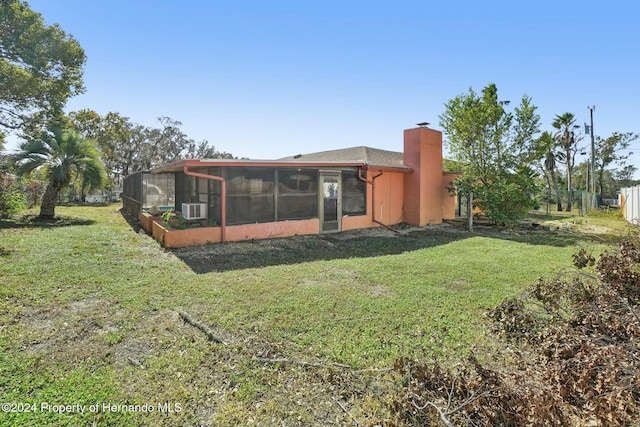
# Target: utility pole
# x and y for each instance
(593, 153)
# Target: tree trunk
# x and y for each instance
(554, 181)
(48, 207)
(470, 211)
(601, 179)
(568, 180)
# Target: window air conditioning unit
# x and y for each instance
(194, 210)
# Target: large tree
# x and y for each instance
(497, 149)
(567, 140)
(547, 148)
(62, 156)
(611, 150)
(203, 150)
(40, 65)
(624, 177)
(113, 134)
(127, 147)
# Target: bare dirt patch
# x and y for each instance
(292, 250)
(77, 332)
(369, 242)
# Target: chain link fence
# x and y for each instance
(583, 201)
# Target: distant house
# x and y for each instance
(316, 193)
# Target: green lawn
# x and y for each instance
(89, 317)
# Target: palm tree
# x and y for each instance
(566, 139)
(60, 155)
(547, 145)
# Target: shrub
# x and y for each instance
(12, 199)
(505, 199)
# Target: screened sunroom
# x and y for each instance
(332, 191)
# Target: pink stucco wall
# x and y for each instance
(205, 235)
(145, 221)
(389, 198)
(426, 199)
(447, 199)
(387, 203)
(272, 229)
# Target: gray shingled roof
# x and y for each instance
(371, 156)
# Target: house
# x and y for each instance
(316, 193)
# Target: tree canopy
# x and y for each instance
(497, 148)
(128, 147)
(41, 66)
(612, 150)
(62, 156)
(567, 140)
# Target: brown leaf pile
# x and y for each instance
(575, 356)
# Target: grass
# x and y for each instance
(89, 315)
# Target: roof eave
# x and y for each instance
(194, 163)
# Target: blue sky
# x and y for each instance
(275, 78)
